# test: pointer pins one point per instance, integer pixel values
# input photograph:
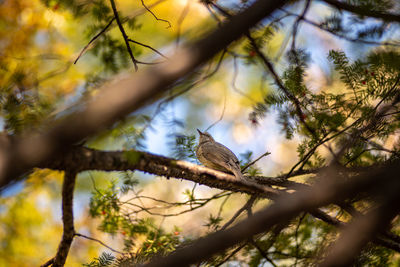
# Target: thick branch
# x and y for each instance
(357, 233)
(327, 191)
(81, 159)
(125, 96)
(364, 11)
(67, 218)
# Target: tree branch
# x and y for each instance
(154, 15)
(364, 11)
(81, 159)
(357, 233)
(272, 71)
(147, 46)
(339, 35)
(255, 161)
(48, 263)
(67, 217)
(94, 38)
(246, 206)
(287, 206)
(100, 242)
(121, 28)
(262, 252)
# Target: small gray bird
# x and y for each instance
(217, 156)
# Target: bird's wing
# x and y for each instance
(217, 152)
(220, 155)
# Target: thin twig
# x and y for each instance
(233, 253)
(297, 23)
(148, 210)
(296, 237)
(151, 12)
(248, 204)
(108, 25)
(220, 117)
(187, 89)
(94, 38)
(262, 252)
(254, 161)
(100, 242)
(147, 46)
(234, 78)
(280, 84)
(192, 194)
(181, 18)
(344, 37)
(122, 30)
(341, 36)
(272, 71)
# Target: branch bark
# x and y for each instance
(67, 218)
(81, 159)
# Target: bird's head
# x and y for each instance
(205, 137)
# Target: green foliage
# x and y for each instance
(245, 159)
(104, 260)
(374, 256)
(105, 203)
(101, 10)
(373, 31)
(108, 48)
(294, 74)
(376, 5)
(293, 78)
(184, 147)
(189, 194)
(213, 222)
(132, 131)
(21, 110)
(262, 37)
(158, 243)
(333, 23)
(367, 82)
(129, 181)
(301, 241)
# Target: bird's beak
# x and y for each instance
(199, 132)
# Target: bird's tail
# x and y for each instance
(237, 172)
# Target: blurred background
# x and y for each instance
(41, 40)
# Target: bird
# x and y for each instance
(217, 156)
